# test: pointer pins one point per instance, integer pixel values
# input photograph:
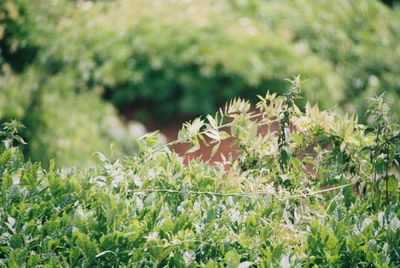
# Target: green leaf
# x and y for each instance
(33, 260)
(74, 255)
(232, 258)
(393, 187)
(277, 252)
(297, 138)
(87, 247)
(379, 165)
(211, 264)
(17, 258)
(17, 241)
(224, 135)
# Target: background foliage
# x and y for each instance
(176, 57)
(64, 123)
(17, 47)
(360, 38)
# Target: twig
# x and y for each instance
(238, 194)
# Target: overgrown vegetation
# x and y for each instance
(321, 191)
(168, 59)
(316, 189)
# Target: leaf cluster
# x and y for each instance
(331, 204)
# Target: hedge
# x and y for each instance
(321, 192)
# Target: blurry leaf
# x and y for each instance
(285, 262)
(393, 187)
(277, 252)
(245, 264)
(212, 122)
(214, 150)
(213, 134)
(232, 258)
(86, 246)
(148, 201)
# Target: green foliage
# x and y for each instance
(150, 209)
(69, 127)
(16, 94)
(359, 38)
(188, 57)
(215, 50)
(10, 133)
(187, 65)
(16, 28)
(62, 124)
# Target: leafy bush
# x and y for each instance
(360, 38)
(17, 47)
(183, 58)
(68, 127)
(62, 124)
(263, 208)
(16, 94)
(209, 52)
(214, 50)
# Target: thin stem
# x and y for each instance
(240, 194)
(387, 173)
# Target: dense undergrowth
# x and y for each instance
(322, 191)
